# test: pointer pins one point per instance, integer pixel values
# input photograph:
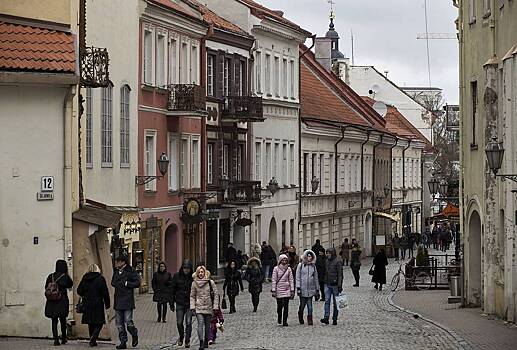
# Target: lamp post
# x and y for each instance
(494, 152)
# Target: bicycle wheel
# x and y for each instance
(395, 282)
(423, 281)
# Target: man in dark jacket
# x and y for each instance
(333, 284)
(320, 266)
(125, 280)
(317, 247)
(231, 253)
(267, 258)
(181, 285)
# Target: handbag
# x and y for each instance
(224, 306)
(371, 270)
(79, 307)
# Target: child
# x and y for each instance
(216, 321)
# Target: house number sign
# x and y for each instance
(47, 183)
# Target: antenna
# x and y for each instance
(352, 39)
(381, 108)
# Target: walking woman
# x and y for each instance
(56, 307)
(96, 298)
(379, 269)
(161, 283)
(282, 288)
(355, 261)
(232, 282)
(255, 278)
(307, 284)
(204, 299)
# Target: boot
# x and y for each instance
(300, 317)
(121, 346)
(324, 320)
(309, 320)
(201, 346)
(64, 340)
(279, 321)
(56, 342)
(334, 322)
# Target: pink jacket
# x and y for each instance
(283, 281)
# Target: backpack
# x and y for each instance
(52, 292)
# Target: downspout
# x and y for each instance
(67, 172)
(362, 166)
(300, 131)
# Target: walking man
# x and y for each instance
(267, 258)
(333, 284)
(125, 280)
(181, 286)
(396, 246)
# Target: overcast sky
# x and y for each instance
(385, 34)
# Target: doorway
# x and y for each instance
(171, 248)
(368, 239)
(475, 276)
(273, 235)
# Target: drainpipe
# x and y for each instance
(300, 132)
(67, 174)
(391, 170)
(362, 166)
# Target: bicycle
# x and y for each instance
(422, 280)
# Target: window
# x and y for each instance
(210, 75)
(258, 160)
(124, 125)
(240, 157)
(194, 65)
(268, 74)
(89, 127)
(348, 164)
(284, 78)
(226, 77)
(173, 61)
(148, 57)
(210, 165)
(313, 169)
(184, 163)
(275, 161)
(291, 165)
(284, 165)
(160, 61)
(258, 225)
(332, 173)
(474, 97)
(150, 158)
(306, 176)
(226, 160)
(184, 70)
(322, 172)
(472, 11)
(195, 181)
(293, 77)
(107, 126)
(277, 77)
(487, 7)
(173, 162)
(267, 168)
(291, 231)
(284, 231)
(242, 78)
(258, 71)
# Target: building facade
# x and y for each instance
(488, 59)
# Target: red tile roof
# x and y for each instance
(327, 97)
(212, 18)
(263, 12)
(174, 6)
(27, 48)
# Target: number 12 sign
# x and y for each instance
(47, 183)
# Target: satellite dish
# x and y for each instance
(374, 90)
(381, 108)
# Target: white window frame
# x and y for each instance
(258, 160)
(258, 72)
(184, 162)
(194, 63)
(321, 164)
(285, 165)
(173, 60)
(173, 173)
(150, 158)
(285, 83)
(292, 78)
(332, 174)
(184, 62)
(277, 77)
(276, 157)
(161, 59)
(195, 163)
(107, 126)
(292, 164)
(148, 56)
(226, 76)
(210, 75)
(267, 162)
(210, 163)
(89, 127)
(242, 75)
(267, 74)
(125, 156)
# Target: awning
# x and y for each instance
(387, 216)
(97, 216)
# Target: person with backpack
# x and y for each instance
(96, 299)
(255, 278)
(57, 304)
(232, 282)
(307, 285)
(282, 288)
(180, 290)
(162, 292)
(204, 300)
(125, 279)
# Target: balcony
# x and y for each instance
(242, 109)
(243, 192)
(186, 97)
(94, 67)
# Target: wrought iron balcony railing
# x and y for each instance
(94, 67)
(186, 97)
(243, 192)
(243, 109)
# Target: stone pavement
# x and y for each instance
(370, 322)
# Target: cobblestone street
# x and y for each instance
(370, 322)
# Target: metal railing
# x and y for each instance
(186, 97)
(440, 268)
(94, 67)
(243, 108)
(243, 192)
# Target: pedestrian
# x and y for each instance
(318, 247)
(231, 253)
(379, 269)
(293, 258)
(345, 252)
(161, 284)
(307, 285)
(333, 284)
(204, 299)
(284, 249)
(396, 246)
(57, 304)
(411, 244)
(256, 250)
(96, 299)
(125, 279)
(216, 320)
(282, 288)
(239, 260)
(403, 245)
(267, 259)
(180, 291)
(255, 278)
(232, 282)
(355, 261)
(320, 267)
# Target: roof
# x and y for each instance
(174, 6)
(35, 49)
(263, 12)
(325, 96)
(97, 216)
(212, 18)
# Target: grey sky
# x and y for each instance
(385, 36)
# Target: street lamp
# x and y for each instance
(494, 152)
(434, 186)
(273, 186)
(314, 184)
(163, 165)
(444, 187)
(386, 190)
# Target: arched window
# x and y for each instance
(124, 125)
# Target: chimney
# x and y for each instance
(322, 52)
